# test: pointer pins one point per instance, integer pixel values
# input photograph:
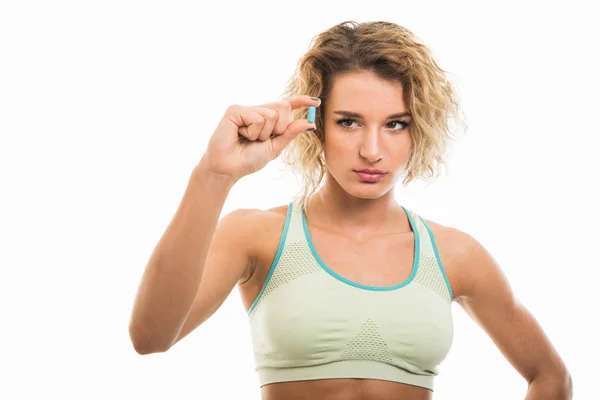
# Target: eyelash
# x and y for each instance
(341, 121)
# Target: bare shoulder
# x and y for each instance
(457, 250)
(256, 229)
(450, 237)
(254, 219)
(262, 230)
(278, 213)
(258, 220)
(268, 224)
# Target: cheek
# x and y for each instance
(403, 148)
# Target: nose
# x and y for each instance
(370, 148)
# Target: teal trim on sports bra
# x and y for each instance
(416, 256)
(277, 256)
(437, 256)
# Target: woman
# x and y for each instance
(348, 293)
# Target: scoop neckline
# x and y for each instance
(416, 257)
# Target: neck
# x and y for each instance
(333, 207)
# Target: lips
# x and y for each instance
(370, 175)
(371, 171)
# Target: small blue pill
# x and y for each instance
(311, 114)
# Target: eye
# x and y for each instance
(345, 123)
(398, 125)
(401, 125)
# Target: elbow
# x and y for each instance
(143, 344)
(143, 348)
(563, 388)
(564, 385)
(559, 386)
(568, 385)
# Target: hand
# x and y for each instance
(248, 138)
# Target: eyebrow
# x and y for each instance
(350, 114)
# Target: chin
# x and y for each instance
(368, 191)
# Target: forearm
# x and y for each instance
(173, 273)
(550, 389)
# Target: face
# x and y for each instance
(367, 139)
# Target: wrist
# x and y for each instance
(203, 172)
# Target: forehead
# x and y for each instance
(354, 91)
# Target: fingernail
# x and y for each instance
(316, 98)
(312, 129)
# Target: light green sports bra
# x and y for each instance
(310, 323)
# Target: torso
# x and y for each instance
(347, 257)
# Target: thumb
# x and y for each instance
(294, 129)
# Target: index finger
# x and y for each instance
(303, 101)
(295, 102)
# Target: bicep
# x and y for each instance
(227, 261)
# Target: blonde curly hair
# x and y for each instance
(393, 53)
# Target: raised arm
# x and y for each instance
(173, 273)
(177, 293)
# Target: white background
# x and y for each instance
(105, 107)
